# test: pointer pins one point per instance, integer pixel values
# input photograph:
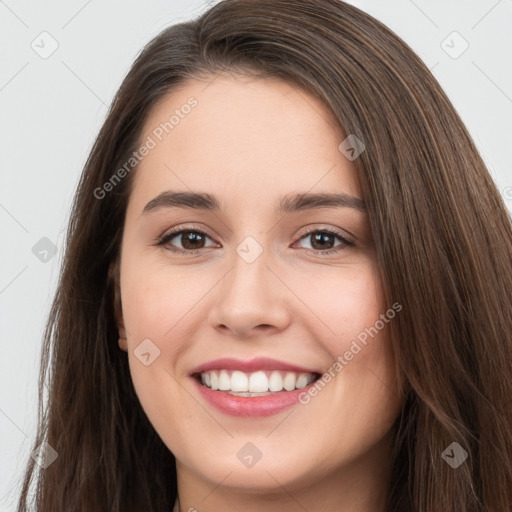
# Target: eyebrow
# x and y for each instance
(286, 204)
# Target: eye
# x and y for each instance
(322, 240)
(192, 240)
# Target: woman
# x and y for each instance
(204, 358)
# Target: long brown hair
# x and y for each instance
(443, 240)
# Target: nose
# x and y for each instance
(250, 300)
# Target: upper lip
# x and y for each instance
(259, 363)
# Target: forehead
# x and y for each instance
(242, 137)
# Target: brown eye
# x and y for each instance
(321, 241)
(191, 240)
(325, 240)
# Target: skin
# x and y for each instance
(248, 142)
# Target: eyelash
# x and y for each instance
(164, 239)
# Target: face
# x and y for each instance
(256, 333)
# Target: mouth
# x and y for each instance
(254, 384)
(260, 387)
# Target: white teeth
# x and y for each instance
(224, 381)
(257, 383)
(289, 381)
(275, 382)
(250, 394)
(215, 380)
(240, 382)
(302, 381)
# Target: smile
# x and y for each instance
(260, 387)
(259, 383)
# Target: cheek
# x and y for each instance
(157, 298)
(359, 394)
(342, 302)
(156, 306)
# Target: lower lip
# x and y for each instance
(250, 406)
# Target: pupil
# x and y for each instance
(188, 240)
(321, 239)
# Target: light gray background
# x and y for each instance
(52, 108)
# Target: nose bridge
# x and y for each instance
(248, 279)
(249, 295)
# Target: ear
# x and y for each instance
(114, 282)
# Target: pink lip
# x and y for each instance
(249, 406)
(260, 363)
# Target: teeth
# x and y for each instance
(289, 381)
(275, 382)
(215, 380)
(302, 381)
(240, 382)
(224, 381)
(258, 383)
